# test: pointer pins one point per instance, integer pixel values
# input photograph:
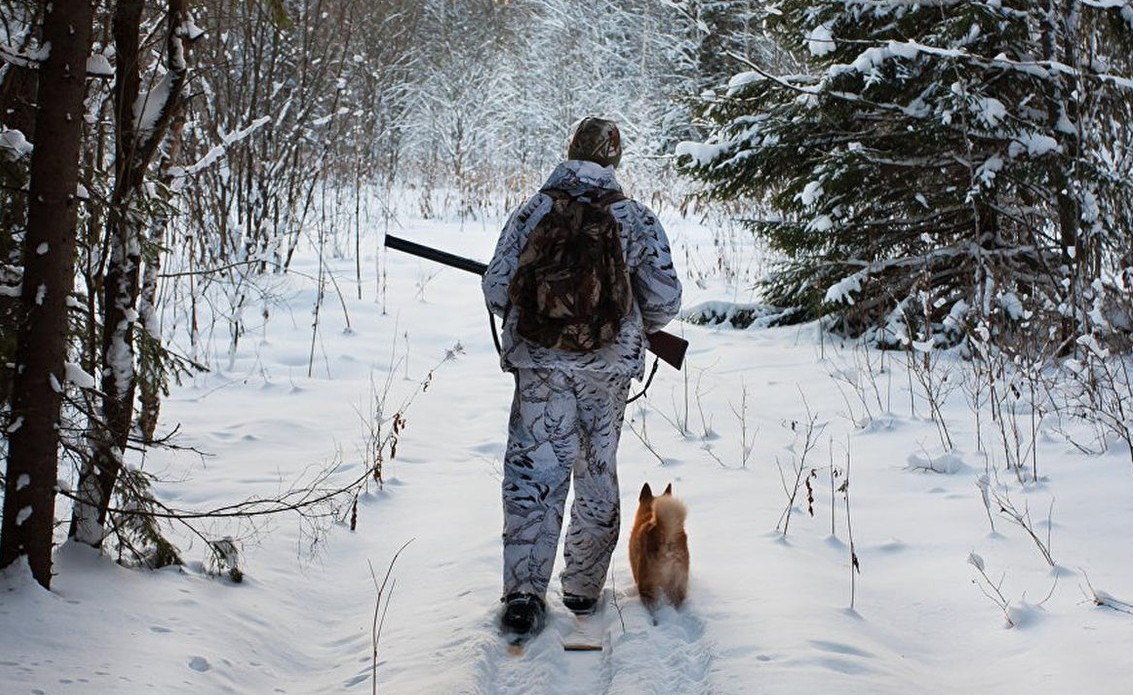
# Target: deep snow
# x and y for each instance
(768, 612)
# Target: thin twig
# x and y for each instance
(380, 613)
(855, 568)
(989, 589)
(1023, 520)
(1104, 600)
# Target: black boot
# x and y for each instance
(580, 605)
(524, 616)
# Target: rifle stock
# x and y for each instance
(669, 348)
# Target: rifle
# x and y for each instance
(669, 348)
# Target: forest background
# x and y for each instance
(926, 176)
(188, 148)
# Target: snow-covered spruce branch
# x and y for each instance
(1032, 68)
(943, 255)
(892, 108)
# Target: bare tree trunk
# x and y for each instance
(135, 146)
(49, 259)
(17, 106)
(1059, 44)
(150, 378)
(150, 388)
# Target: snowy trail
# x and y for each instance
(544, 668)
(769, 612)
(671, 657)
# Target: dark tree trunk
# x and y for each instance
(49, 249)
(17, 110)
(18, 85)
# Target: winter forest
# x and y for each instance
(209, 140)
(939, 192)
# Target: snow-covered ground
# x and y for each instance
(769, 612)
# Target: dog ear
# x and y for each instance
(668, 490)
(646, 493)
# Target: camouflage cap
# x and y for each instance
(596, 140)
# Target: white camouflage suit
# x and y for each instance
(566, 415)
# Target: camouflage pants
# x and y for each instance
(564, 425)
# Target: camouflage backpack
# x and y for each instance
(571, 288)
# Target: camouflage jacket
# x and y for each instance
(656, 287)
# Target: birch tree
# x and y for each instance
(142, 119)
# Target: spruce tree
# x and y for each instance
(48, 277)
(940, 164)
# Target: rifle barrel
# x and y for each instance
(449, 259)
(668, 347)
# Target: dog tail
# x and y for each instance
(670, 514)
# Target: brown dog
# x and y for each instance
(658, 548)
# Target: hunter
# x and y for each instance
(571, 383)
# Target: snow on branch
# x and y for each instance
(820, 40)
(875, 56)
(701, 153)
(844, 290)
(98, 65)
(24, 59)
(1123, 5)
(189, 29)
(218, 151)
(149, 106)
(13, 144)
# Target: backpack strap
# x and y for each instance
(609, 196)
(555, 193)
(602, 196)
